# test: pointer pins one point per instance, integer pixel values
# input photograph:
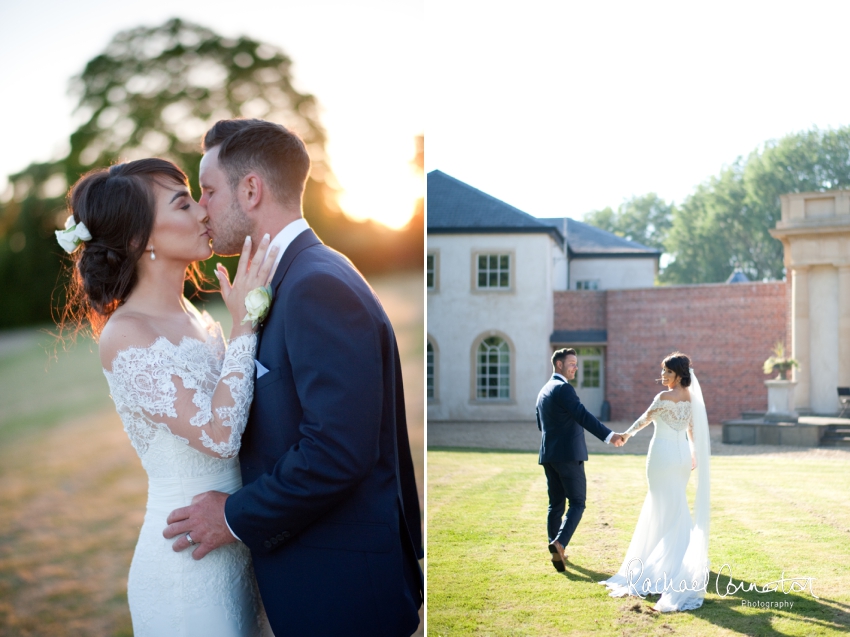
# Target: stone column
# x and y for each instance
(844, 325)
(800, 335)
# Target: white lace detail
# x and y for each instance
(676, 415)
(214, 392)
(143, 388)
(669, 546)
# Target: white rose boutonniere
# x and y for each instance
(257, 303)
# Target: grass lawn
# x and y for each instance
(72, 490)
(489, 571)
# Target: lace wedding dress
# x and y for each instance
(668, 553)
(184, 408)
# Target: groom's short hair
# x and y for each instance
(561, 354)
(276, 153)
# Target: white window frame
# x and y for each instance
(587, 284)
(504, 389)
(431, 370)
(511, 271)
(434, 255)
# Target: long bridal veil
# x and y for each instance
(691, 581)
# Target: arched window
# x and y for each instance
(430, 371)
(493, 369)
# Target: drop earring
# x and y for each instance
(153, 255)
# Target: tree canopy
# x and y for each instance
(644, 219)
(724, 223)
(154, 91)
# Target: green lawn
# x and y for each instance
(489, 571)
(72, 490)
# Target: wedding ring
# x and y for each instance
(190, 540)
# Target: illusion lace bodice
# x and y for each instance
(175, 400)
(184, 408)
(675, 415)
(668, 552)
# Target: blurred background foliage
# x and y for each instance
(724, 223)
(155, 92)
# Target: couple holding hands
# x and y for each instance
(668, 553)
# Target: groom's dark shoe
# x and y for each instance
(559, 558)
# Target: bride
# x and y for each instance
(135, 234)
(668, 553)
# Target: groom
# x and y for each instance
(329, 507)
(562, 420)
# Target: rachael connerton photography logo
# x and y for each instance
(662, 584)
(785, 585)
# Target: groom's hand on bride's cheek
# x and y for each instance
(204, 521)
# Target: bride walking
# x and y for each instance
(668, 553)
(182, 393)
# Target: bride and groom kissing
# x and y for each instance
(281, 490)
(668, 552)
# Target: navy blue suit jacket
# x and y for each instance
(562, 419)
(329, 506)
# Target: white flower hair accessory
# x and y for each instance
(257, 302)
(73, 235)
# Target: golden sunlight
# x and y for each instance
(371, 187)
(393, 206)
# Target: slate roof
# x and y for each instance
(579, 336)
(585, 241)
(457, 208)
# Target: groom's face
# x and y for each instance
(568, 367)
(228, 223)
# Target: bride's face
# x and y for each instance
(668, 377)
(179, 232)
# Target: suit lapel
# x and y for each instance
(300, 243)
(303, 241)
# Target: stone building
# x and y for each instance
(493, 275)
(506, 289)
(815, 231)
(491, 272)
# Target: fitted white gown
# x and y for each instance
(155, 390)
(656, 554)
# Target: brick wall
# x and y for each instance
(727, 330)
(580, 310)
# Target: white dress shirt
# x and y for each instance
(282, 240)
(607, 438)
(286, 236)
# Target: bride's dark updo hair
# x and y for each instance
(118, 207)
(679, 364)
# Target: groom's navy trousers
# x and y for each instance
(329, 506)
(562, 420)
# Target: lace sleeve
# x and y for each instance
(645, 419)
(691, 433)
(178, 389)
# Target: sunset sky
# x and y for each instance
(363, 60)
(562, 107)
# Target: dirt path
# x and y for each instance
(524, 436)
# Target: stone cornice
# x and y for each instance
(828, 225)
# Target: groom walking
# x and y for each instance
(561, 418)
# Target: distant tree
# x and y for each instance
(645, 219)
(704, 238)
(154, 92)
(724, 224)
(412, 236)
